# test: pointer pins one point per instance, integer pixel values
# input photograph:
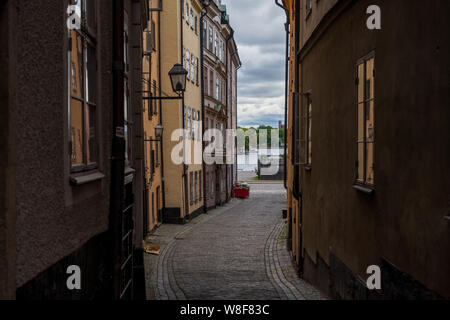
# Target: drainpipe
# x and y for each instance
(118, 150)
(286, 26)
(231, 85)
(202, 88)
(163, 182)
(226, 102)
(235, 84)
(183, 109)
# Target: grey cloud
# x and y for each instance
(259, 33)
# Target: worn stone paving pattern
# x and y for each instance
(234, 252)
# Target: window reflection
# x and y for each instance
(76, 132)
(83, 89)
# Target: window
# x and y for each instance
(210, 43)
(146, 159)
(217, 88)
(188, 122)
(223, 92)
(199, 127)
(158, 198)
(157, 154)
(83, 92)
(306, 131)
(216, 42)
(196, 25)
(191, 187)
(200, 185)
(296, 142)
(196, 72)
(205, 79)
(184, 58)
(188, 67)
(191, 22)
(223, 52)
(186, 13)
(211, 83)
(155, 102)
(196, 186)
(194, 124)
(192, 68)
(366, 120)
(308, 7)
(205, 36)
(148, 103)
(152, 160)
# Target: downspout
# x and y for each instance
(236, 90)
(234, 178)
(163, 183)
(118, 150)
(286, 26)
(183, 120)
(202, 88)
(226, 102)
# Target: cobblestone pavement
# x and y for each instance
(246, 175)
(234, 252)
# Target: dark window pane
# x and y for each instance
(90, 15)
(76, 65)
(370, 121)
(361, 82)
(91, 75)
(92, 134)
(76, 131)
(369, 163)
(370, 65)
(361, 137)
(360, 177)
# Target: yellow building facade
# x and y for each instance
(180, 29)
(152, 118)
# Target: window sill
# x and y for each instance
(84, 178)
(129, 175)
(364, 189)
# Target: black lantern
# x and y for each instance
(178, 78)
(159, 131)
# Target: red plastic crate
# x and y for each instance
(241, 193)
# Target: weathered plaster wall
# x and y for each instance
(53, 218)
(403, 221)
(172, 119)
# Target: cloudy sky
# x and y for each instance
(260, 36)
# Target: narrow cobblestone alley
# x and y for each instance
(234, 252)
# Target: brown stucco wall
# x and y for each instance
(7, 185)
(54, 219)
(403, 221)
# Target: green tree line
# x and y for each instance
(281, 133)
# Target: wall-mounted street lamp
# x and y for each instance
(158, 134)
(159, 131)
(178, 79)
